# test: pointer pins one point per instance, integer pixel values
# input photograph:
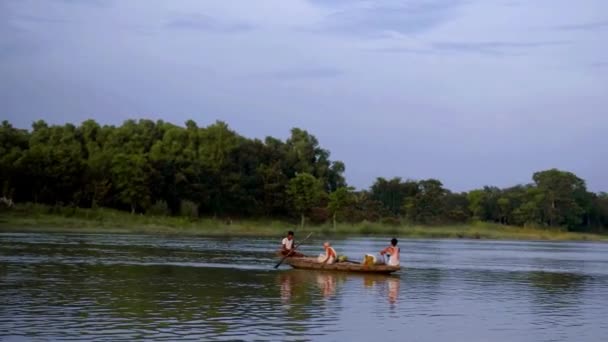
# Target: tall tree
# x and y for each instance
(393, 192)
(131, 173)
(338, 201)
(13, 144)
(427, 206)
(221, 172)
(274, 185)
(456, 207)
(562, 195)
(305, 192)
(529, 212)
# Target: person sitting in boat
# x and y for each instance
(330, 254)
(393, 253)
(287, 246)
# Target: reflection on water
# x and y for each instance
(393, 290)
(86, 287)
(293, 282)
(327, 283)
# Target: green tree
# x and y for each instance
(338, 201)
(305, 192)
(428, 205)
(222, 173)
(302, 150)
(563, 193)
(483, 204)
(54, 164)
(131, 173)
(476, 204)
(393, 192)
(529, 211)
(302, 154)
(600, 209)
(216, 144)
(456, 207)
(504, 207)
(274, 185)
(13, 145)
(335, 177)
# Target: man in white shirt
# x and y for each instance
(287, 246)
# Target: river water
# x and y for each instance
(125, 287)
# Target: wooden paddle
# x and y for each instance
(292, 250)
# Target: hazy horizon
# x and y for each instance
(472, 92)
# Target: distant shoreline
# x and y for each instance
(116, 222)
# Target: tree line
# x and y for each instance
(159, 168)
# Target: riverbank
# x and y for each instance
(76, 220)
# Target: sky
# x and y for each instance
(471, 92)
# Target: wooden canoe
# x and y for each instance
(346, 266)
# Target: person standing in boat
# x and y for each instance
(393, 253)
(330, 255)
(287, 246)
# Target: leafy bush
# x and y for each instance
(159, 208)
(390, 221)
(366, 228)
(188, 209)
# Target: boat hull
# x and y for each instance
(312, 264)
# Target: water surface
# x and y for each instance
(124, 287)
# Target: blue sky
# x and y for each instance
(471, 92)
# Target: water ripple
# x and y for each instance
(125, 287)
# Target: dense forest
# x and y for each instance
(158, 168)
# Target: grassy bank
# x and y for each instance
(37, 218)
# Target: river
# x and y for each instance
(124, 287)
